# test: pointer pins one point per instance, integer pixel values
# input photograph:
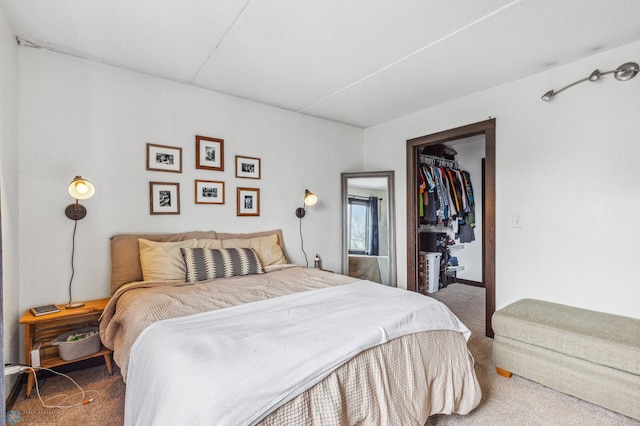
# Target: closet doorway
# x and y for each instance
(488, 129)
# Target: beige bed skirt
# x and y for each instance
(412, 366)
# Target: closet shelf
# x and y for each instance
(455, 268)
(456, 246)
(432, 228)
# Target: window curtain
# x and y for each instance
(374, 245)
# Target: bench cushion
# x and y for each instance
(601, 338)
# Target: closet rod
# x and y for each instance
(438, 161)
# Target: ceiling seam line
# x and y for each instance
(410, 55)
(224, 37)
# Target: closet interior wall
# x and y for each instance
(471, 152)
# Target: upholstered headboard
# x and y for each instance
(125, 254)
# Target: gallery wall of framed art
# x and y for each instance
(209, 153)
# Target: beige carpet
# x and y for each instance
(106, 409)
(514, 401)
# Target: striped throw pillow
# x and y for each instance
(207, 264)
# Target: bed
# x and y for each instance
(248, 338)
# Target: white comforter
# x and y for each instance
(236, 365)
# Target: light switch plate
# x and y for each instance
(516, 221)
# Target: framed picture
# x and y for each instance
(209, 153)
(248, 202)
(247, 167)
(164, 197)
(209, 192)
(164, 158)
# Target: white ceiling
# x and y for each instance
(378, 183)
(359, 62)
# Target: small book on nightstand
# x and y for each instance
(43, 310)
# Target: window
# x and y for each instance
(358, 226)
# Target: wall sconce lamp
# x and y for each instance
(309, 199)
(624, 72)
(80, 189)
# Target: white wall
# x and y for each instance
(9, 191)
(570, 167)
(470, 155)
(83, 118)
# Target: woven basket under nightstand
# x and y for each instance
(76, 349)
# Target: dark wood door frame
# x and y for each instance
(488, 129)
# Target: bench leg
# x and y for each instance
(503, 373)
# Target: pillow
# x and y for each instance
(163, 261)
(207, 264)
(209, 244)
(125, 253)
(267, 248)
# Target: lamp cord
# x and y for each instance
(306, 261)
(73, 250)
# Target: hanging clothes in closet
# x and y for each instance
(445, 197)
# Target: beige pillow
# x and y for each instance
(209, 244)
(125, 253)
(163, 261)
(267, 248)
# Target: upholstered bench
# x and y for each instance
(591, 355)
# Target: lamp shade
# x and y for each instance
(310, 198)
(81, 189)
(626, 71)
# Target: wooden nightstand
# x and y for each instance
(45, 328)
